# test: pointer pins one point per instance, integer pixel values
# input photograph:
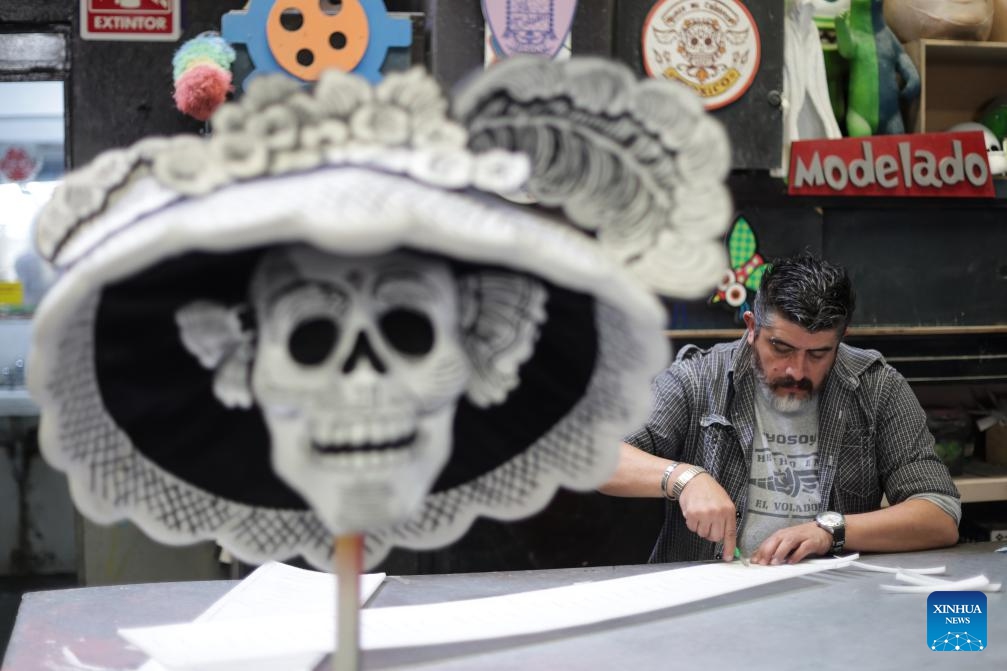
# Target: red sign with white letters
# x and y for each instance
(148, 20)
(922, 164)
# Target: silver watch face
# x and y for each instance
(830, 519)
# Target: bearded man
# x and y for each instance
(783, 443)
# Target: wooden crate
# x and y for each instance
(958, 79)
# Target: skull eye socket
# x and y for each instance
(408, 331)
(312, 341)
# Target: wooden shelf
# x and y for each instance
(975, 489)
(855, 331)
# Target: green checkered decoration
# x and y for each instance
(747, 267)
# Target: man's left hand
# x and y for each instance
(791, 545)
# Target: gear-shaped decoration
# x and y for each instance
(297, 38)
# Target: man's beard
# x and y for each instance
(791, 401)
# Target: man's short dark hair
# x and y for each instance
(808, 291)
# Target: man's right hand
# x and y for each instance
(709, 512)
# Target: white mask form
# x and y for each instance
(994, 150)
(358, 367)
(358, 364)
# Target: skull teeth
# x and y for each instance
(376, 434)
(368, 454)
(399, 444)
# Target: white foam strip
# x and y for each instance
(933, 570)
(915, 579)
(287, 642)
(978, 583)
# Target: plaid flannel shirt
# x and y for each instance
(873, 437)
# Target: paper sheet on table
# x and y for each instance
(227, 644)
(277, 592)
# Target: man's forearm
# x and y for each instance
(916, 524)
(639, 474)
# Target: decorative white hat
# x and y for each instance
(322, 320)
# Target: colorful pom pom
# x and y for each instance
(201, 90)
(202, 73)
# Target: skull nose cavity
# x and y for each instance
(362, 349)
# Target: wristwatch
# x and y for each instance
(835, 524)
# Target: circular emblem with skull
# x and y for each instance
(712, 47)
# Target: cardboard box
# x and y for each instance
(996, 445)
(957, 79)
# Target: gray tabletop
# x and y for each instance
(832, 620)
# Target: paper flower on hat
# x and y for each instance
(640, 164)
(322, 320)
(747, 267)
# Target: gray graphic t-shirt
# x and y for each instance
(783, 483)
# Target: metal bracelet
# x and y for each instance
(664, 479)
(683, 480)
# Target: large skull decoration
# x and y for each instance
(357, 365)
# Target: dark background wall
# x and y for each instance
(932, 263)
